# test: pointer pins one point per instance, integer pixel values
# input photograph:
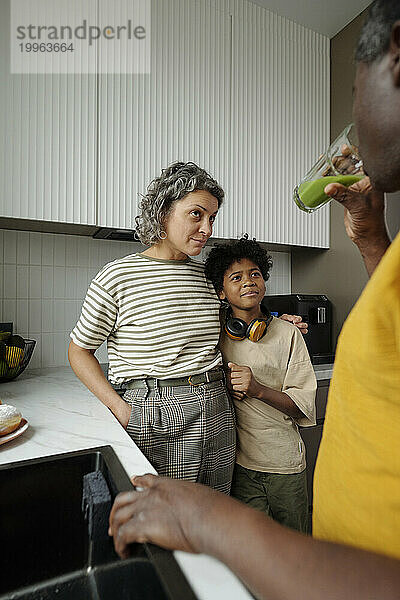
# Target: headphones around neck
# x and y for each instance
(237, 329)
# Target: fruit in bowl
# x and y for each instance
(15, 354)
(15, 348)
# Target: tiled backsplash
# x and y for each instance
(44, 278)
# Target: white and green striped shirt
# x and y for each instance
(160, 318)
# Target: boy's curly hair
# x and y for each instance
(174, 183)
(223, 256)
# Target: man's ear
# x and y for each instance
(395, 53)
(221, 295)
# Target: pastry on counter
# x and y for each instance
(10, 418)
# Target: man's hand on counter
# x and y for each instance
(159, 513)
(272, 560)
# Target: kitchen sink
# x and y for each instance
(134, 579)
(53, 547)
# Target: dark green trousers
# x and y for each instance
(282, 497)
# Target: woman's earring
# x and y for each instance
(163, 235)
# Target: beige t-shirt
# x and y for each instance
(269, 440)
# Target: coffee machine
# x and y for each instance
(314, 309)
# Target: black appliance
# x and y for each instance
(316, 310)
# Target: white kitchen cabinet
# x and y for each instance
(240, 91)
(280, 125)
(47, 142)
(180, 111)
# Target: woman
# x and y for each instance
(160, 316)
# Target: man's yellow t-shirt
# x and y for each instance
(357, 476)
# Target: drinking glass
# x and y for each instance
(341, 163)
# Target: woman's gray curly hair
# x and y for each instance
(174, 183)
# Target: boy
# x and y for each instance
(272, 384)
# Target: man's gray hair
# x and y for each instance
(374, 39)
(174, 183)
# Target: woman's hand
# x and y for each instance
(123, 412)
(296, 320)
(86, 366)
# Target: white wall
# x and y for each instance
(44, 278)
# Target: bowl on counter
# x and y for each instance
(10, 368)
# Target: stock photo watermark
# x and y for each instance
(80, 36)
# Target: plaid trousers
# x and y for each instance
(186, 432)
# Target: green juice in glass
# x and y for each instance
(310, 194)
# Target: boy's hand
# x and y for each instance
(237, 395)
(243, 380)
(232, 393)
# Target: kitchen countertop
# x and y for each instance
(323, 371)
(64, 416)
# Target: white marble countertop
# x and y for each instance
(64, 416)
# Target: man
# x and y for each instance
(357, 482)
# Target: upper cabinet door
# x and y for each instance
(180, 111)
(238, 90)
(47, 142)
(280, 125)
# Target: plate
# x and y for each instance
(23, 426)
